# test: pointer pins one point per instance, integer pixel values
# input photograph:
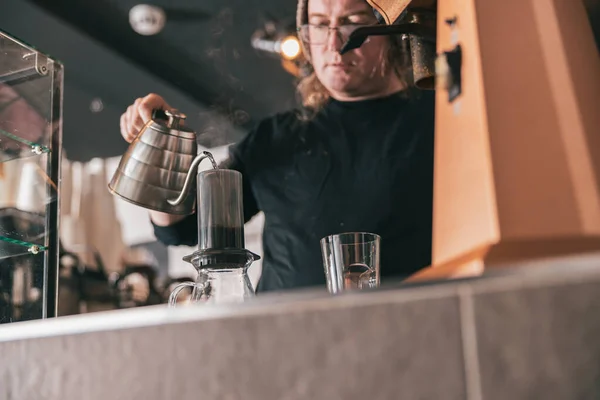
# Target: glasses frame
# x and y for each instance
(304, 37)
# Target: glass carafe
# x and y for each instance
(224, 282)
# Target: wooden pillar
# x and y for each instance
(517, 163)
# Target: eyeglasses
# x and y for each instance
(318, 34)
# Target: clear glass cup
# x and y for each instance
(351, 261)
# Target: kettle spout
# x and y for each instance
(190, 174)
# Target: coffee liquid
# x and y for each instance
(221, 237)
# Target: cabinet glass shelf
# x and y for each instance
(22, 233)
(31, 87)
(12, 146)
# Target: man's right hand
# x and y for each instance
(132, 122)
(139, 113)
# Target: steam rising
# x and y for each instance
(222, 121)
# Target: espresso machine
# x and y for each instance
(158, 172)
(517, 149)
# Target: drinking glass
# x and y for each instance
(351, 261)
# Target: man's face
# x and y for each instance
(356, 73)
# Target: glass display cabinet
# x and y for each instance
(31, 86)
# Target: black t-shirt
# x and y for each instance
(364, 166)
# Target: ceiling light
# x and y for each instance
(146, 19)
(279, 40)
(290, 47)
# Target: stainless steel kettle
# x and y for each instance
(157, 170)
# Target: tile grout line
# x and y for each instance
(469, 343)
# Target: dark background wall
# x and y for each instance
(201, 62)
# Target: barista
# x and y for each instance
(356, 157)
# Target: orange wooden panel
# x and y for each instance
(517, 164)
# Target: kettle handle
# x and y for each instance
(159, 114)
(172, 117)
(188, 179)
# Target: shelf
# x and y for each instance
(10, 248)
(28, 103)
(21, 232)
(13, 147)
(18, 76)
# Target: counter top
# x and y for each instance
(517, 333)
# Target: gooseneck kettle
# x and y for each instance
(157, 171)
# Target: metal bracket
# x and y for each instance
(448, 72)
(41, 64)
(448, 65)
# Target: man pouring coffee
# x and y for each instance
(356, 157)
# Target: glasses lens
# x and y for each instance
(318, 34)
(314, 34)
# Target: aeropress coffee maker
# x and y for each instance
(157, 173)
(221, 260)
